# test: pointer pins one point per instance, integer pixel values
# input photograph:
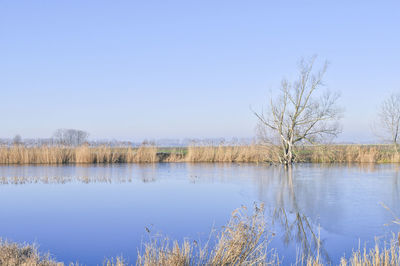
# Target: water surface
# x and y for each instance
(88, 212)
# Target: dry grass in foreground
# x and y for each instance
(388, 256)
(243, 241)
(14, 254)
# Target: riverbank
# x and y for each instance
(150, 154)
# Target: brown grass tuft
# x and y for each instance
(388, 256)
(243, 241)
(12, 254)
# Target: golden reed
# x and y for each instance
(81, 154)
(19, 154)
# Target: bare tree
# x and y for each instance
(388, 123)
(70, 137)
(300, 113)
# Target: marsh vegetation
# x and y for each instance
(19, 154)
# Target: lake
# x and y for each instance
(86, 213)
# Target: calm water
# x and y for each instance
(87, 213)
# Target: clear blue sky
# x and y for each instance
(176, 69)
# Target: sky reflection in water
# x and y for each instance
(89, 212)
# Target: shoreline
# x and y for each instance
(52, 155)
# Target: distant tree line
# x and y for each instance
(62, 136)
(70, 137)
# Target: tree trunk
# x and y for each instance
(288, 156)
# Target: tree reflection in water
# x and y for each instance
(313, 204)
(296, 227)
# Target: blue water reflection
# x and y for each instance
(89, 212)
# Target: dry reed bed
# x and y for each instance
(349, 154)
(222, 153)
(250, 153)
(82, 154)
(306, 154)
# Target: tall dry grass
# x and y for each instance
(307, 154)
(387, 256)
(19, 154)
(12, 254)
(243, 153)
(243, 241)
(83, 154)
(348, 154)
